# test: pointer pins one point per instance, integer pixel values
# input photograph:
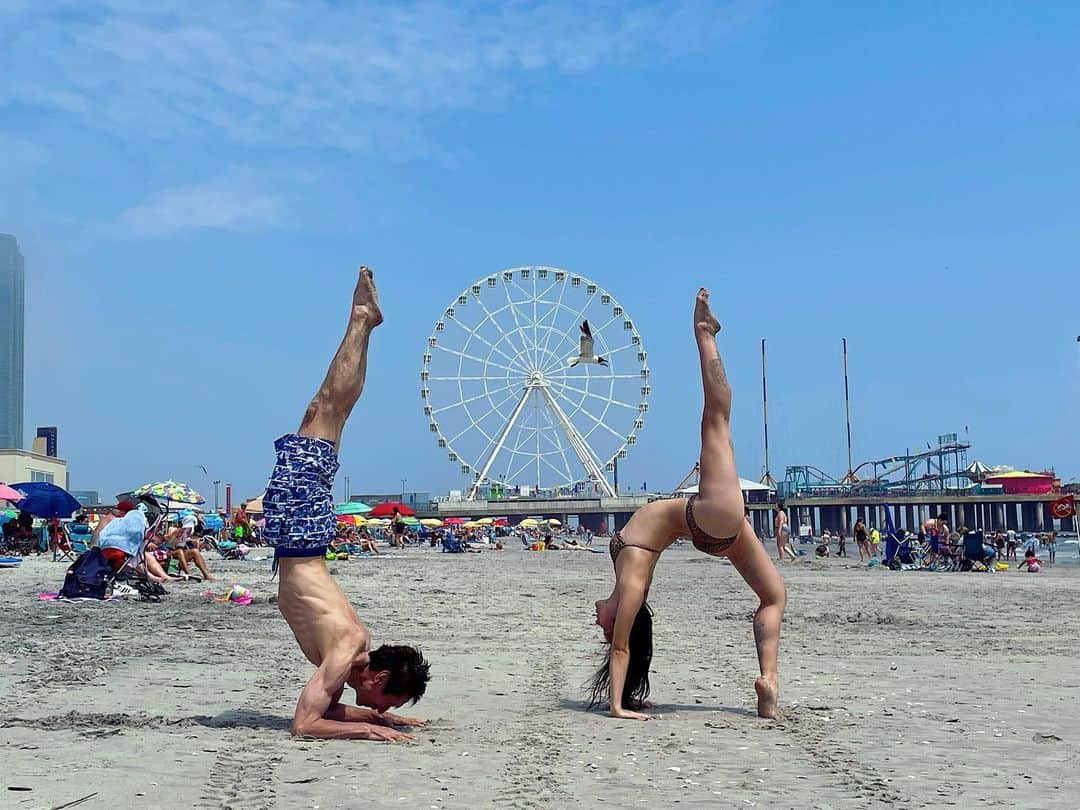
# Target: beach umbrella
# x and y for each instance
(170, 490)
(8, 513)
(553, 522)
(454, 521)
(410, 521)
(486, 521)
(351, 520)
(254, 506)
(44, 500)
(9, 494)
(352, 508)
(387, 509)
(529, 522)
(501, 522)
(472, 524)
(433, 523)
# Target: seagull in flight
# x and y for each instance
(585, 350)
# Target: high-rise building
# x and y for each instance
(12, 317)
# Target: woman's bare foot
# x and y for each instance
(767, 691)
(704, 320)
(366, 299)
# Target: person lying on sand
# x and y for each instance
(300, 523)
(715, 522)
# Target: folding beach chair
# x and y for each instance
(975, 556)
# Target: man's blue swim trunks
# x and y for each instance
(298, 505)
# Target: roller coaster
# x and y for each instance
(943, 468)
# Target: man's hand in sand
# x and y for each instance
(398, 720)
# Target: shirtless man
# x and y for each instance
(783, 533)
(300, 523)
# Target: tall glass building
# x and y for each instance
(12, 317)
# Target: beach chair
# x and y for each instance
(129, 573)
(81, 537)
(452, 545)
(976, 557)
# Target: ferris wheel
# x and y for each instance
(535, 376)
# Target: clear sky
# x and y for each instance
(194, 187)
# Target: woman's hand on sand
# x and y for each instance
(624, 714)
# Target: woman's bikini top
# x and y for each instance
(617, 544)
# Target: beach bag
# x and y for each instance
(86, 578)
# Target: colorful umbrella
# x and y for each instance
(387, 509)
(9, 494)
(553, 522)
(352, 508)
(486, 521)
(44, 500)
(454, 521)
(8, 513)
(170, 490)
(472, 524)
(529, 522)
(409, 520)
(434, 523)
(351, 520)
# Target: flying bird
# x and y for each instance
(585, 349)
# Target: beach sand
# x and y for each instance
(929, 690)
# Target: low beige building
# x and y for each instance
(17, 466)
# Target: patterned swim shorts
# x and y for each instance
(298, 505)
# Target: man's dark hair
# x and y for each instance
(408, 670)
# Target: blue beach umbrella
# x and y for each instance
(352, 508)
(44, 500)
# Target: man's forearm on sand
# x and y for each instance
(353, 714)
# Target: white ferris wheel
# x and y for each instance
(535, 376)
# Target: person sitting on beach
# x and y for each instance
(1030, 561)
(120, 534)
(822, 550)
(715, 522)
(300, 522)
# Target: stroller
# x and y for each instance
(903, 551)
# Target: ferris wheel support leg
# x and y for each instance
(499, 444)
(588, 460)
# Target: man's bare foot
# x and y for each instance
(366, 299)
(766, 697)
(704, 320)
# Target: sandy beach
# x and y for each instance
(927, 690)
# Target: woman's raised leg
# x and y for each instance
(718, 509)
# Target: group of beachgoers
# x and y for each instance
(300, 525)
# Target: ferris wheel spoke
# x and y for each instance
(584, 452)
(562, 450)
(474, 334)
(586, 392)
(517, 323)
(467, 400)
(481, 360)
(505, 335)
(476, 422)
(554, 313)
(600, 423)
(499, 442)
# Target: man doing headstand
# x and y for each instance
(300, 523)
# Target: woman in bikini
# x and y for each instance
(715, 522)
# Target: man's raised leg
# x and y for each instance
(330, 407)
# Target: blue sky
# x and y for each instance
(193, 190)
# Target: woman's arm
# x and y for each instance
(631, 591)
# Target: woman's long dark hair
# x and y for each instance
(636, 688)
